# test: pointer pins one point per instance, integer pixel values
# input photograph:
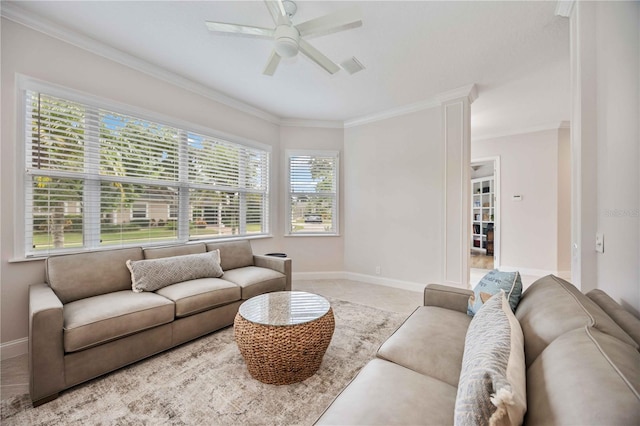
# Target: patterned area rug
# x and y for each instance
(207, 382)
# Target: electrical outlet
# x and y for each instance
(600, 243)
(377, 270)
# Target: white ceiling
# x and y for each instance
(517, 54)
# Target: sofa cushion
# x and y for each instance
(233, 254)
(585, 377)
(95, 320)
(179, 250)
(384, 393)
(439, 334)
(552, 306)
(255, 280)
(491, 284)
(153, 274)
(625, 319)
(81, 275)
(198, 295)
(492, 388)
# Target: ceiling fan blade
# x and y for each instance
(241, 30)
(340, 20)
(274, 60)
(317, 57)
(276, 9)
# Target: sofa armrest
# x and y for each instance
(280, 264)
(454, 298)
(46, 350)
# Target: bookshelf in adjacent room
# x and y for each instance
(482, 214)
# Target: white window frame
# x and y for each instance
(336, 205)
(22, 241)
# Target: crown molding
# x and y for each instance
(299, 122)
(564, 8)
(394, 112)
(522, 131)
(468, 91)
(18, 15)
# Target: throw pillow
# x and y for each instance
(154, 274)
(492, 386)
(491, 284)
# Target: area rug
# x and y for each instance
(207, 382)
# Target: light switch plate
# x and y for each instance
(600, 243)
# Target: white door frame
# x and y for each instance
(497, 220)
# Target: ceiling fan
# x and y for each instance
(289, 38)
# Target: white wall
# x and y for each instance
(394, 187)
(33, 54)
(531, 165)
(313, 254)
(564, 201)
(618, 29)
(605, 55)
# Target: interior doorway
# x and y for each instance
(485, 213)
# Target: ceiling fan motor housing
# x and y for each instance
(287, 41)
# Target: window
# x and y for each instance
(313, 192)
(139, 211)
(96, 177)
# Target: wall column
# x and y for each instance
(456, 126)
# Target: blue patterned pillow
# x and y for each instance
(491, 284)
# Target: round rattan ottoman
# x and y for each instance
(283, 336)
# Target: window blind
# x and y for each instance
(313, 193)
(97, 178)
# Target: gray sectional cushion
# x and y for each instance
(198, 295)
(255, 280)
(444, 296)
(384, 393)
(153, 274)
(552, 306)
(95, 320)
(181, 250)
(233, 254)
(625, 319)
(439, 334)
(78, 276)
(492, 388)
(584, 377)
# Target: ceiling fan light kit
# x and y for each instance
(286, 41)
(288, 38)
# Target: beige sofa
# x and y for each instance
(581, 356)
(86, 320)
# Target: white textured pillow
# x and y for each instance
(492, 386)
(153, 274)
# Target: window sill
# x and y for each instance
(194, 241)
(311, 235)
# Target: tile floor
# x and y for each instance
(14, 376)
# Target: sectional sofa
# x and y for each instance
(580, 357)
(86, 320)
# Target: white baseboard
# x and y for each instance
(370, 279)
(14, 348)
(331, 275)
(533, 272)
(389, 282)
